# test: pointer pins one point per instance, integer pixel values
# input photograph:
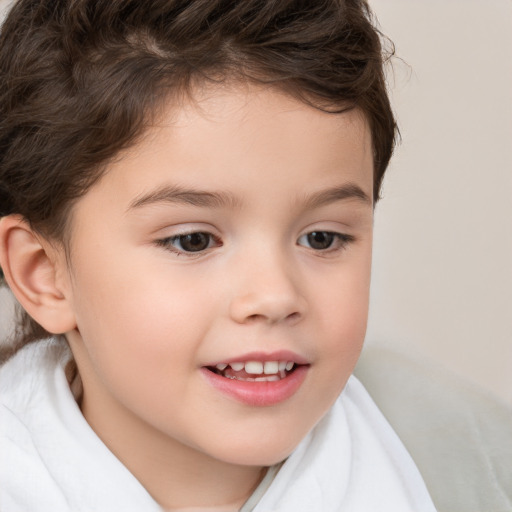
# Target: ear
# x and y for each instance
(34, 270)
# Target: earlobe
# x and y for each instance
(32, 275)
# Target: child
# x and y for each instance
(187, 193)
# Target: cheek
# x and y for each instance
(133, 296)
(345, 304)
(136, 324)
(345, 329)
(344, 315)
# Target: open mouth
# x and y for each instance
(259, 380)
(255, 371)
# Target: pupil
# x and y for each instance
(194, 242)
(320, 239)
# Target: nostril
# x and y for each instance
(273, 319)
(293, 316)
(255, 318)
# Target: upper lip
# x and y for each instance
(279, 355)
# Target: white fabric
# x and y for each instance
(351, 462)
(51, 460)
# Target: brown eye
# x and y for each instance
(325, 240)
(187, 243)
(193, 242)
(320, 239)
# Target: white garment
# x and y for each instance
(51, 460)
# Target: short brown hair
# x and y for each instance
(80, 79)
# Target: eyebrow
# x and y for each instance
(341, 193)
(177, 195)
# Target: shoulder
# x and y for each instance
(459, 436)
(51, 458)
(23, 375)
(22, 469)
(20, 384)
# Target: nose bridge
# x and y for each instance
(267, 288)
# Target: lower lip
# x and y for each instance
(259, 394)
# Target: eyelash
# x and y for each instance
(340, 240)
(167, 243)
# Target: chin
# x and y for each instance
(262, 450)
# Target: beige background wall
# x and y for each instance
(3, 7)
(443, 247)
(443, 250)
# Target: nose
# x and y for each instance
(267, 291)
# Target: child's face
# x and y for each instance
(277, 197)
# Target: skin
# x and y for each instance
(149, 315)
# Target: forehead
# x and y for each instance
(244, 139)
(249, 112)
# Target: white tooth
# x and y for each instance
(237, 366)
(270, 378)
(282, 366)
(249, 379)
(289, 365)
(221, 366)
(254, 367)
(271, 367)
